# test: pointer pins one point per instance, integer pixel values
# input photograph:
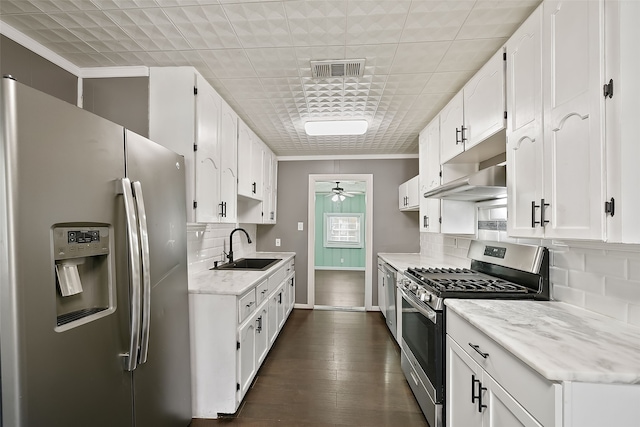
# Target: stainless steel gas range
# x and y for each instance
(498, 270)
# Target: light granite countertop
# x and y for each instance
(559, 341)
(230, 282)
(402, 261)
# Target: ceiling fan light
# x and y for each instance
(342, 198)
(334, 198)
(336, 127)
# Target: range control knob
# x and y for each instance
(426, 296)
(413, 287)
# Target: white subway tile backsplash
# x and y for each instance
(569, 260)
(626, 290)
(558, 276)
(605, 265)
(611, 307)
(568, 295)
(633, 316)
(633, 270)
(588, 282)
(449, 242)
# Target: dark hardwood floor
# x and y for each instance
(329, 368)
(339, 288)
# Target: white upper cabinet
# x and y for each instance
(573, 68)
(408, 197)
(524, 126)
(188, 116)
(429, 143)
(451, 132)
(474, 115)
(484, 102)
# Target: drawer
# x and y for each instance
(532, 390)
(290, 267)
(262, 291)
(246, 305)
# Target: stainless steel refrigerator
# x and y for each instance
(93, 275)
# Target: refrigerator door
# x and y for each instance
(59, 166)
(162, 383)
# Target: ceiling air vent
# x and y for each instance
(337, 68)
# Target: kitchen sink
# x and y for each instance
(259, 264)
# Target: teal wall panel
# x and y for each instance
(330, 257)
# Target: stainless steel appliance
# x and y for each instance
(390, 274)
(498, 270)
(93, 279)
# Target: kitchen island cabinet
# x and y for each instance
(539, 364)
(235, 317)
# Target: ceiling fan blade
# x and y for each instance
(347, 194)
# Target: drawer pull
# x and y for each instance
(250, 304)
(477, 349)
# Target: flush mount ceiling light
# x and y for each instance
(336, 127)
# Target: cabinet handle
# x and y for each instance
(259, 322)
(250, 304)
(224, 209)
(253, 188)
(458, 131)
(543, 205)
(533, 214)
(477, 349)
(473, 388)
(481, 406)
(280, 298)
(425, 221)
(462, 129)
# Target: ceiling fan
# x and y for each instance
(338, 193)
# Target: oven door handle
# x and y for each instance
(425, 311)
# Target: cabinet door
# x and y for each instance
(524, 128)
(245, 145)
(229, 162)
(272, 318)
(282, 298)
(573, 104)
(451, 121)
(291, 294)
(207, 156)
(257, 167)
(484, 102)
(502, 409)
(403, 191)
(262, 335)
(430, 176)
(412, 192)
(246, 355)
(274, 189)
(463, 382)
(382, 293)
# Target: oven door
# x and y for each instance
(423, 333)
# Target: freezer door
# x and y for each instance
(61, 166)
(162, 382)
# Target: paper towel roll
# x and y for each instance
(68, 278)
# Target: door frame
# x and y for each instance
(311, 237)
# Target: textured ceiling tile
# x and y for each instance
(98, 30)
(378, 57)
(177, 58)
(89, 59)
(451, 81)
(17, 6)
(150, 28)
(32, 22)
(64, 5)
(313, 22)
(422, 57)
(122, 59)
(228, 63)
(407, 84)
(431, 101)
(490, 18)
(123, 4)
(436, 20)
(316, 53)
(274, 62)
(169, 3)
(204, 27)
(376, 21)
(248, 88)
(469, 54)
(259, 24)
(282, 87)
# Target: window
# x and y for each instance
(343, 230)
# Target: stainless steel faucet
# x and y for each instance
(230, 254)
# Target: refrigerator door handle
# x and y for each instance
(146, 271)
(131, 358)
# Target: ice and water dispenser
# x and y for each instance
(84, 274)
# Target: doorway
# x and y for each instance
(340, 241)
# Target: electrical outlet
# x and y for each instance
(300, 226)
(341, 260)
(277, 242)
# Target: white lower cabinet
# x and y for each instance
(231, 337)
(487, 385)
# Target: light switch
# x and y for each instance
(277, 242)
(300, 226)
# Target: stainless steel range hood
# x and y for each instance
(486, 184)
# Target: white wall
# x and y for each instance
(600, 277)
(205, 244)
